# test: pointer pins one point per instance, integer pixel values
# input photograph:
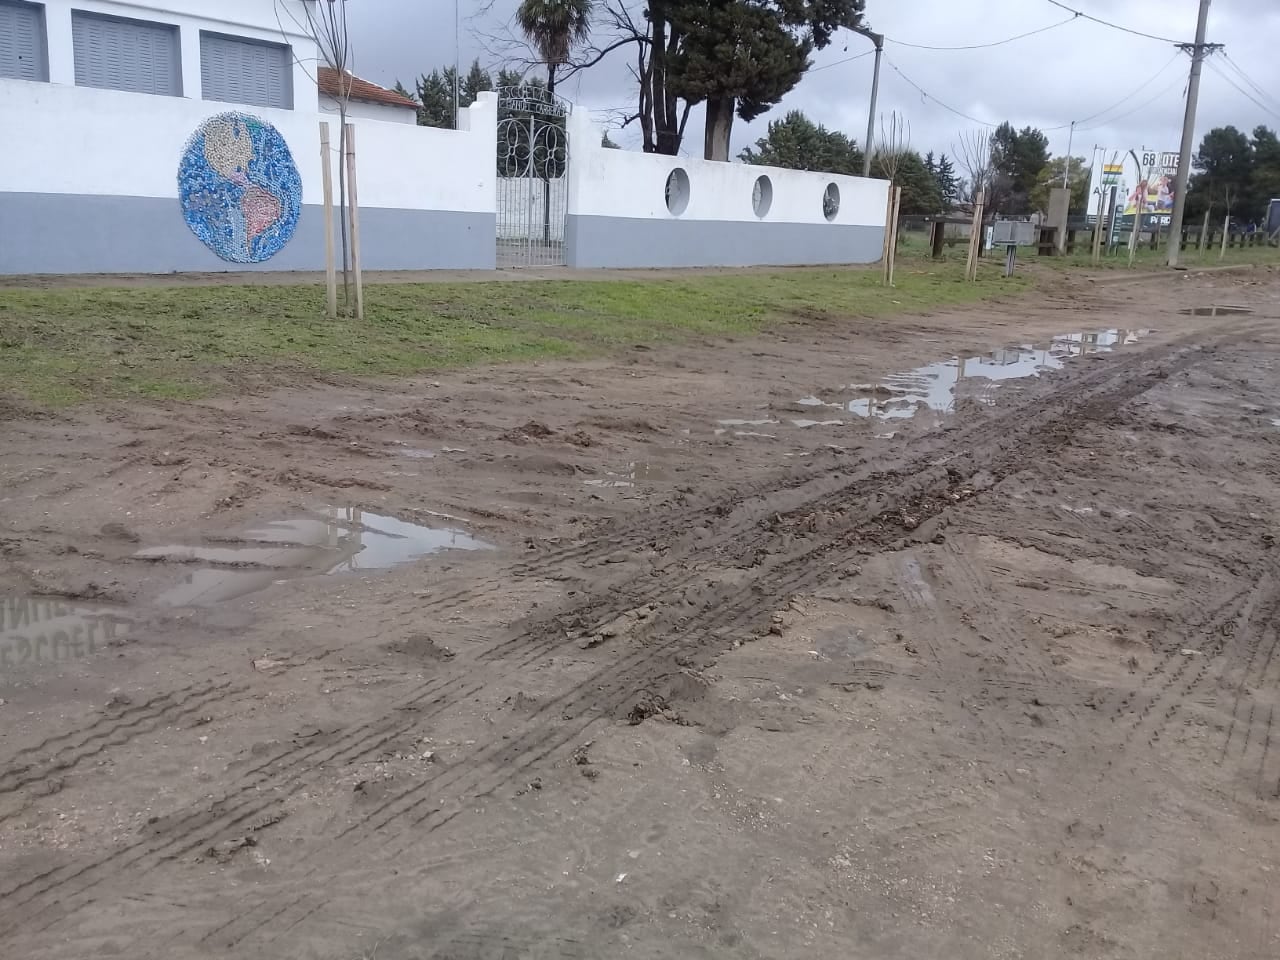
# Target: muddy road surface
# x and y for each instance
(935, 636)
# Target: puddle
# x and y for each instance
(40, 630)
(335, 540)
(938, 386)
(816, 423)
(228, 556)
(1223, 311)
(384, 542)
(637, 472)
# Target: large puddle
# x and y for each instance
(941, 385)
(333, 540)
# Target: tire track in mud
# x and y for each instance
(106, 734)
(992, 443)
(602, 694)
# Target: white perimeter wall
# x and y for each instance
(80, 140)
(621, 183)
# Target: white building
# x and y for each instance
(184, 135)
(158, 136)
(365, 100)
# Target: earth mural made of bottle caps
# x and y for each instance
(240, 189)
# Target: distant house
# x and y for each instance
(366, 101)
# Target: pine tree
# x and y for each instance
(400, 89)
(435, 94)
(477, 81)
(948, 182)
(739, 57)
(797, 143)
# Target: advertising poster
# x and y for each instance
(1153, 195)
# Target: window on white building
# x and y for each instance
(119, 54)
(22, 41)
(239, 70)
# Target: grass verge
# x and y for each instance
(66, 345)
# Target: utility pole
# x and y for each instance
(1199, 50)
(878, 40)
(457, 62)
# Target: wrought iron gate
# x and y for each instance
(533, 159)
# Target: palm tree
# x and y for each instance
(554, 27)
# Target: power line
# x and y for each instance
(924, 94)
(1223, 74)
(837, 63)
(1139, 107)
(1246, 78)
(1120, 103)
(986, 123)
(971, 46)
(983, 46)
(1108, 23)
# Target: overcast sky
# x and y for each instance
(1074, 72)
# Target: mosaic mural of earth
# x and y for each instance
(240, 190)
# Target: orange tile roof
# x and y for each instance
(362, 90)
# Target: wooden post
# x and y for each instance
(937, 238)
(1135, 232)
(355, 220)
(330, 269)
(889, 222)
(975, 238)
(893, 235)
(1226, 232)
(1096, 249)
(1204, 234)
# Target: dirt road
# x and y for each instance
(947, 636)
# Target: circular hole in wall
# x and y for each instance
(762, 196)
(677, 191)
(831, 201)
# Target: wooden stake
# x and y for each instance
(1226, 230)
(893, 234)
(355, 220)
(888, 234)
(975, 238)
(1204, 234)
(330, 269)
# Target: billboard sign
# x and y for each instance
(1153, 194)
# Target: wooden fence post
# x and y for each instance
(330, 269)
(355, 220)
(975, 238)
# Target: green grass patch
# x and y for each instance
(60, 346)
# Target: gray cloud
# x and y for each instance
(1073, 72)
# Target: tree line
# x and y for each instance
(1235, 175)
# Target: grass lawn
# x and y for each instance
(914, 246)
(65, 345)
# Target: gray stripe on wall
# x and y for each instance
(627, 242)
(70, 233)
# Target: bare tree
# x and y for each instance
(895, 141)
(325, 22)
(978, 161)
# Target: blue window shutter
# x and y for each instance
(120, 54)
(239, 70)
(22, 42)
